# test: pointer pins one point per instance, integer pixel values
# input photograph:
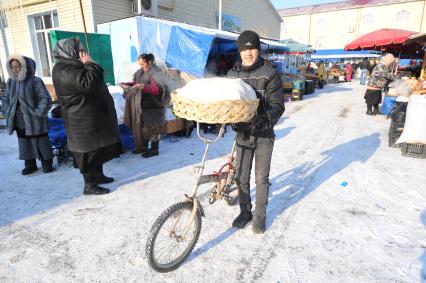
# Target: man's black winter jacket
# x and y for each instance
(268, 86)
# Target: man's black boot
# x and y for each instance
(100, 178)
(94, 189)
(30, 167)
(47, 165)
(242, 220)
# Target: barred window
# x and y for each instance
(402, 16)
(367, 19)
(321, 24)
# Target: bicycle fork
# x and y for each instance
(193, 198)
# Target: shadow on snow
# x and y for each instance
(289, 187)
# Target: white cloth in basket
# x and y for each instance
(210, 90)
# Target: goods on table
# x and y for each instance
(287, 85)
(413, 83)
(215, 100)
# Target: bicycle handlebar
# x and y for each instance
(207, 140)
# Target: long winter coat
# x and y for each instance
(380, 76)
(87, 106)
(32, 95)
(268, 86)
(322, 73)
(155, 96)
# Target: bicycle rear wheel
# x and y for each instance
(167, 245)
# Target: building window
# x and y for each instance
(40, 25)
(402, 16)
(320, 42)
(283, 28)
(367, 19)
(321, 25)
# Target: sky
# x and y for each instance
(282, 4)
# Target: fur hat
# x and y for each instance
(248, 40)
(22, 73)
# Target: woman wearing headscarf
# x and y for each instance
(155, 98)
(26, 103)
(88, 112)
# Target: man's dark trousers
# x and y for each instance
(262, 153)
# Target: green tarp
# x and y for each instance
(99, 45)
(296, 46)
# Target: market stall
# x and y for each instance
(404, 102)
(294, 62)
(389, 40)
(336, 60)
(178, 48)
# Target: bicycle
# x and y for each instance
(176, 231)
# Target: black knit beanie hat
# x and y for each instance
(248, 40)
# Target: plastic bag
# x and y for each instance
(415, 121)
(401, 87)
(117, 94)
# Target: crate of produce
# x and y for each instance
(287, 85)
(414, 150)
(309, 86)
(296, 95)
(297, 85)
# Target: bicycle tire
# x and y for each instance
(152, 243)
(212, 195)
(232, 196)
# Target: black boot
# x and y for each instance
(94, 189)
(47, 165)
(144, 148)
(369, 112)
(30, 167)
(242, 220)
(376, 110)
(100, 178)
(259, 224)
(153, 151)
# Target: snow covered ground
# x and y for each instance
(372, 230)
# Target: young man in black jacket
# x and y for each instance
(255, 139)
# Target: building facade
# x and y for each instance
(332, 26)
(25, 24)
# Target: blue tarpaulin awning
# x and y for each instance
(175, 45)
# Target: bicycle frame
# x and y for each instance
(199, 171)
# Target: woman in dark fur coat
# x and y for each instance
(26, 103)
(88, 112)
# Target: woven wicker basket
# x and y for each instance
(221, 112)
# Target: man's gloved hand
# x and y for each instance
(260, 121)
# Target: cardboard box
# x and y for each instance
(173, 126)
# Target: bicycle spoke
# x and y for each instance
(169, 247)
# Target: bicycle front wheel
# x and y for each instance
(172, 237)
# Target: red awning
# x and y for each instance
(380, 39)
